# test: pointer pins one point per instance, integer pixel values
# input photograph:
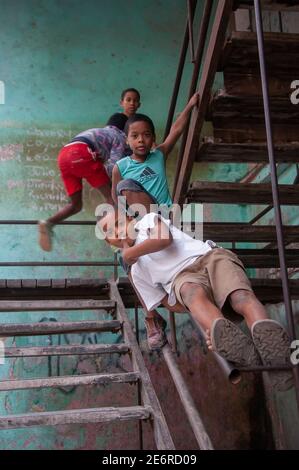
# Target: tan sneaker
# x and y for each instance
(273, 344)
(155, 329)
(45, 235)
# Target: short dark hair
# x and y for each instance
(124, 92)
(137, 118)
(117, 120)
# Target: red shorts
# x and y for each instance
(75, 163)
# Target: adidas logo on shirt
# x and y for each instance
(147, 174)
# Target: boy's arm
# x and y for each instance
(160, 238)
(178, 127)
(116, 178)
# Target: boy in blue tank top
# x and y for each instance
(141, 177)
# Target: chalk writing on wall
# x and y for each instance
(36, 174)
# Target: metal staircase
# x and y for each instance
(64, 295)
(237, 134)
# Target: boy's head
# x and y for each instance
(140, 132)
(117, 120)
(117, 228)
(130, 101)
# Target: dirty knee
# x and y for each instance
(241, 297)
(189, 291)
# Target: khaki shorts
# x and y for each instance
(219, 273)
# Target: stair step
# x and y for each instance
(280, 5)
(49, 305)
(240, 232)
(219, 152)
(72, 350)
(240, 53)
(270, 290)
(267, 290)
(69, 381)
(60, 289)
(226, 110)
(243, 82)
(79, 416)
(56, 328)
(240, 193)
(266, 258)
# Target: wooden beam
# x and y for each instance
(229, 110)
(241, 193)
(89, 415)
(267, 290)
(72, 350)
(240, 232)
(69, 381)
(281, 51)
(266, 258)
(56, 328)
(222, 152)
(49, 305)
(275, 5)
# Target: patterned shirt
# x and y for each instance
(108, 142)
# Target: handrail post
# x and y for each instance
(274, 184)
(179, 74)
(198, 60)
(212, 56)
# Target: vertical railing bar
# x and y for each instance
(198, 60)
(274, 184)
(178, 78)
(139, 399)
(190, 26)
(174, 343)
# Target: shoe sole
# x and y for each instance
(273, 344)
(232, 344)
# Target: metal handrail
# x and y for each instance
(221, 21)
(202, 37)
(178, 79)
(114, 263)
(274, 184)
(35, 222)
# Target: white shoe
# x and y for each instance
(45, 235)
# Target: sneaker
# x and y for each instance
(232, 344)
(273, 344)
(155, 329)
(45, 232)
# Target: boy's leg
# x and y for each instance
(155, 328)
(222, 335)
(247, 304)
(200, 306)
(105, 190)
(45, 226)
(270, 338)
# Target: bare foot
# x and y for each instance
(208, 340)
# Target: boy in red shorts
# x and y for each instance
(91, 155)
